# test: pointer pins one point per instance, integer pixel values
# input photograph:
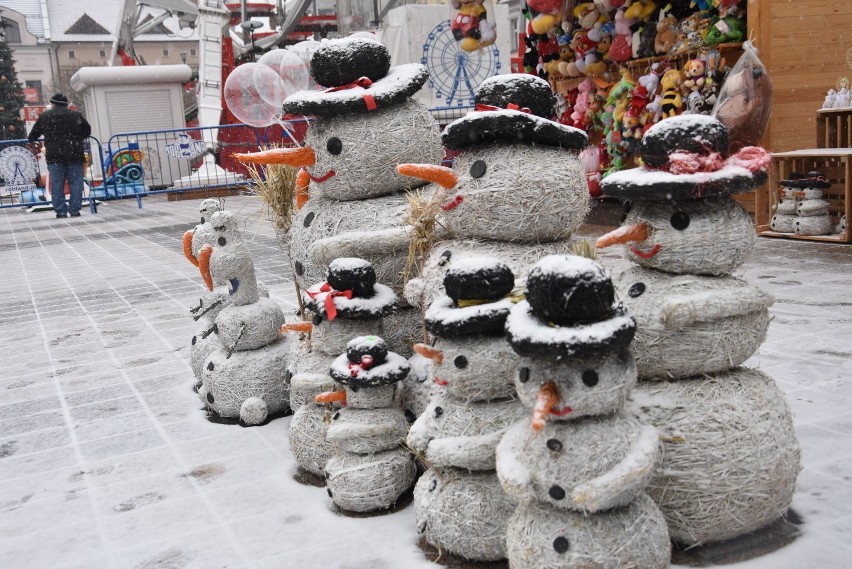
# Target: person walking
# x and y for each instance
(64, 133)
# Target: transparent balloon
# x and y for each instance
(289, 66)
(254, 93)
(305, 50)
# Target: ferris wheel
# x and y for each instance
(454, 74)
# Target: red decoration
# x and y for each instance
(330, 295)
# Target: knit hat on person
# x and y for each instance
(59, 99)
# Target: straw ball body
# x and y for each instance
(703, 237)
(250, 326)
(363, 149)
(201, 347)
(307, 438)
(367, 430)
(368, 482)
(729, 457)
(517, 198)
(463, 513)
(633, 536)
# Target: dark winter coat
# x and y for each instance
(64, 132)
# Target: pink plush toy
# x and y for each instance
(621, 49)
(578, 117)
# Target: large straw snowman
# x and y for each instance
(730, 455)
(365, 123)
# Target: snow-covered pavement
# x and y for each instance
(107, 460)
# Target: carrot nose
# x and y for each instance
(548, 397)
(204, 265)
(440, 175)
(302, 156)
(624, 234)
(297, 327)
(187, 247)
(429, 352)
(332, 397)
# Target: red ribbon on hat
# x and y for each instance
(330, 295)
(364, 83)
(510, 106)
(365, 364)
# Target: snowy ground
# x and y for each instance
(107, 460)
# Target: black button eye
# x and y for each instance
(210, 366)
(560, 544)
(636, 290)
(334, 146)
(300, 269)
(309, 219)
(202, 219)
(554, 444)
(194, 339)
(439, 411)
(221, 241)
(317, 320)
(590, 378)
(477, 169)
(524, 374)
(445, 258)
(460, 362)
(210, 397)
(680, 220)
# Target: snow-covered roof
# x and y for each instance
(64, 14)
(31, 10)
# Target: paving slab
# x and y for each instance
(108, 460)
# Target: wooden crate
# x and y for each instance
(834, 128)
(835, 163)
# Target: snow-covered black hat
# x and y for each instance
(476, 302)
(368, 363)
(812, 179)
(351, 292)
(570, 311)
(358, 77)
(513, 108)
(686, 157)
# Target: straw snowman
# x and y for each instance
(245, 377)
(459, 505)
(730, 455)
(370, 470)
(579, 469)
(364, 123)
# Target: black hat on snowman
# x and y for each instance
(476, 302)
(516, 109)
(358, 78)
(569, 311)
(350, 292)
(368, 363)
(812, 179)
(687, 157)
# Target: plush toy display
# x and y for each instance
(459, 505)
(726, 468)
(579, 468)
(471, 27)
(364, 124)
(498, 199)
(369, 470)
(243, 378)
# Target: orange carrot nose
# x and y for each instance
(204, 265)
(187, 247)
(429, 352)
(297, 327)
(332, 397)
(303, 181)
(441, 175)
(548, 397)
(624, 234)
(301, 156)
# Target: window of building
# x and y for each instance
(513, 25)
(165, 53)
(71, 54)
(11, 31)
(192, 51)
(102, 53)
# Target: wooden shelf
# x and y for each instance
(836, 238)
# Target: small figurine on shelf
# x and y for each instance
(530, 59)
(666, 33)
(693, 76)
(640, 9)
(728, 29)
(621, 50)
(843, 99)
(830, 100)
(470, 27)
(546, 14)
(672, 101)
(727, 8)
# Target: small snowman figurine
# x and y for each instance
(812, 209)
(830, 100)
(349, 303)
(500, 197)
(370, 470)
(458, 502)
(244, 377)
(579, 470)
(784, 218)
